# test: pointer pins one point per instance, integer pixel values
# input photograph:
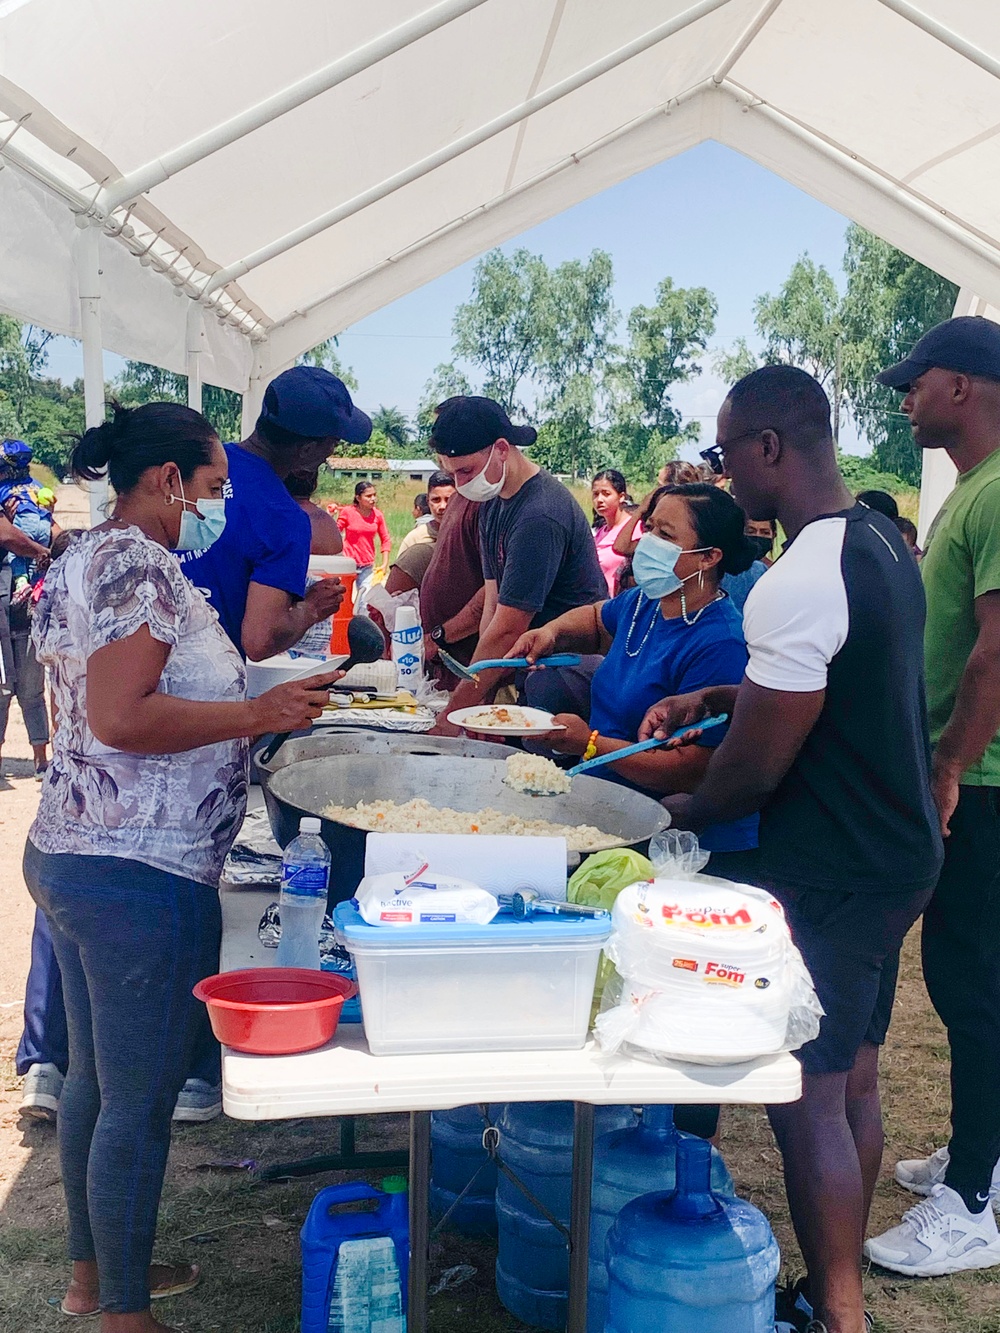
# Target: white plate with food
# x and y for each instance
(504, 720)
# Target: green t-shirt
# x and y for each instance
(961, 563)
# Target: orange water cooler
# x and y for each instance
(337, 566)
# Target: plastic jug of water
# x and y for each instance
(536, 1143)
(628, 1163)
(691, 1261)
(355, 1263)
(457, 1154)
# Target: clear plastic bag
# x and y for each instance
(706, 970)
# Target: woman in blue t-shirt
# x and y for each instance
(676, 631)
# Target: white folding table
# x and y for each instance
(344, 1079)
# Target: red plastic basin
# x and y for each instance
(274, 1010)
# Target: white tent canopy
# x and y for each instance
(218, 187)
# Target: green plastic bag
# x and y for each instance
(598, 883)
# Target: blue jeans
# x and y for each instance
(131, 942)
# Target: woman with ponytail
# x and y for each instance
(141, 802)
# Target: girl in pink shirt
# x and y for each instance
(361, 523)
(612, 510)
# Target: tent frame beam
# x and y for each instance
(136, 183)
(463, 145)
(744, 41)
(88, 267)
(960, 45)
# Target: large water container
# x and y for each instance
(691, 1261)
(536, 1142)
(355, 1263)
(627, 1163)
(457, 1154)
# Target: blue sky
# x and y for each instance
(708, 218)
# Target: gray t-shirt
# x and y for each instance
(539, 548)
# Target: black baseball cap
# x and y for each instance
(968, 344)
(468, 424)
(311, 402)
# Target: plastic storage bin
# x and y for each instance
(507, 986)
(376, 1291)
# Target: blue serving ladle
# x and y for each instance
(639, 746)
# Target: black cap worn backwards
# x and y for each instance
(468, 424)
(969, 345)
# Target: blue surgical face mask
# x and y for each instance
(653, 565)
(201, 524)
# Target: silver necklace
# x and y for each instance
(694, 619)
(635, 615)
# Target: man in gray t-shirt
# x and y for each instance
(539, 557)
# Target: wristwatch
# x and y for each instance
(438, 635)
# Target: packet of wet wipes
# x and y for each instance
(423, 899)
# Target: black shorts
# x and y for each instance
(850, 943)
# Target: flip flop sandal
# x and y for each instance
(158, 1293)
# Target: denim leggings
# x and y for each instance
(131, 942)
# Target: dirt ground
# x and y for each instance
(245, 1235)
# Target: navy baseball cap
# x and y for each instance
(968, 344)
(309, 401)
(17, 452)
(467, 424)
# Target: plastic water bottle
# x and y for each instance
(691, 1261)
(536, 1143)
(408, 648)
(457, 1154)
(305, 878)
(628, 1163)
(355, 1263)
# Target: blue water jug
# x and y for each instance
(627, 1163)
(691, 1261)
(457, 1154)
(355, 1263)
(536, 1142)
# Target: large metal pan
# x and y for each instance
(348, 845)
(308, 786)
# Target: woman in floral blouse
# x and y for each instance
(142, 800)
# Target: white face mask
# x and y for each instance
(479, 489)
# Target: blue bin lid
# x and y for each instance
(503, 929)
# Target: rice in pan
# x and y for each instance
(419, 816)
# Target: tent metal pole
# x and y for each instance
(88, 262)
(870, 175)
(750, 34)
(463, 145)
(192, 353)
(945, 35)
(372, 53)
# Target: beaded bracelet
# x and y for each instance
(591, 749)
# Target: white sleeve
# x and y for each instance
(795, 622)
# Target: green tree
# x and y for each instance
(666, 342)
(575, 350)
(504, 326)
(733, 363)
(327, 357)
(890, 302)
(447, 381)
(141, 383)
(393, 424)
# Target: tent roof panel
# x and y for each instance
(848, 98)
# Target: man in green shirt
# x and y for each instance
(952, 384)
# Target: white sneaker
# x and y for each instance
(40, 1093)
(938, 1236)
(198, 1101)
(919, 1175)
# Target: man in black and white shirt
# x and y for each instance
(829, 742)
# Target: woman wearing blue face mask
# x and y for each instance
(141, 802)
(677, 626)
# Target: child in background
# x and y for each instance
(27, 504)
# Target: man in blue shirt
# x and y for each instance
(255, 574)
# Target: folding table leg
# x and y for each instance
(579, 1216)
(420, 1180)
